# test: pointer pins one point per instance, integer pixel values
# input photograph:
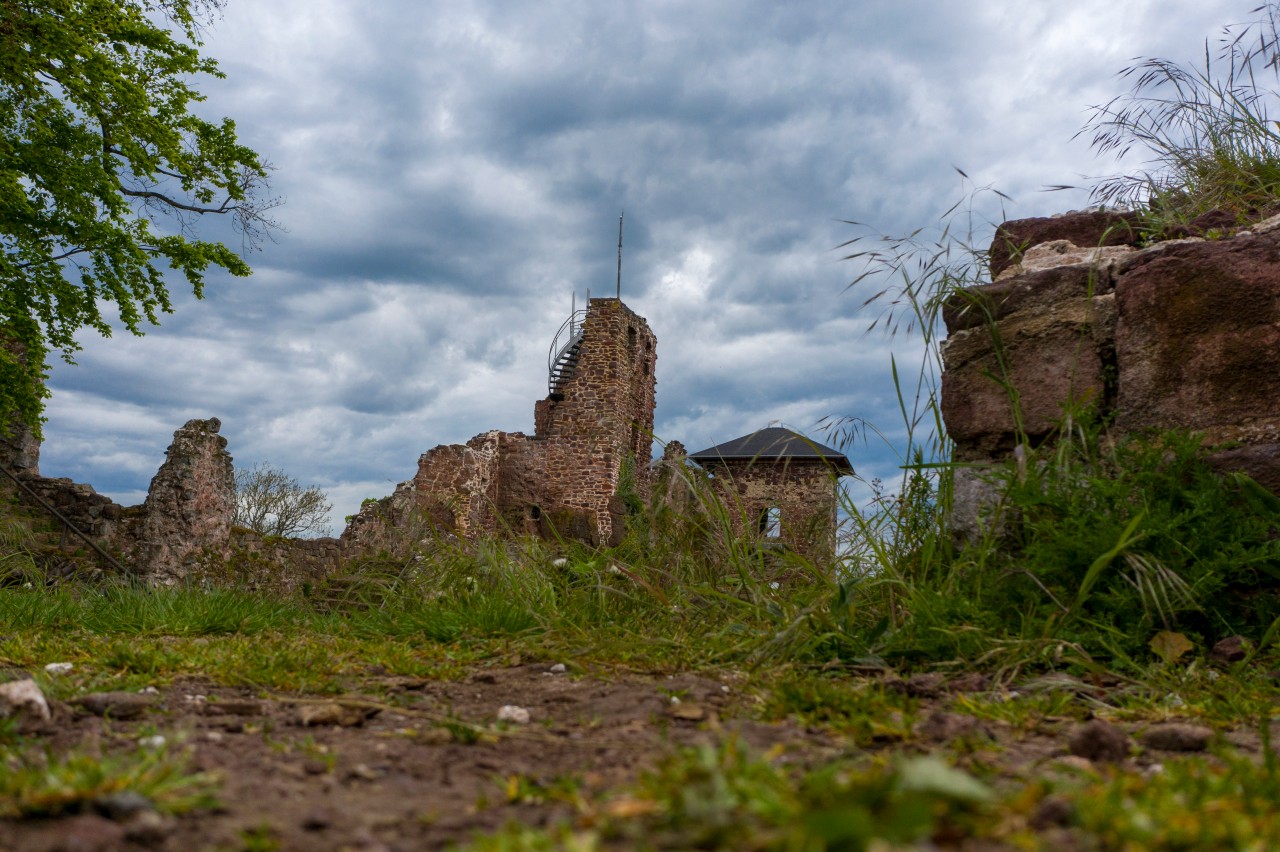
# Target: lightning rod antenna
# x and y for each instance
(620, 257)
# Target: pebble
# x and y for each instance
(973, 682)
(23, 700)
(1099, 741)
(941, 727)
(364, 772)
(1074, 762)
(232, 708)
(1052, 811)
(148, 828)
(59, 668)
(688, 712)
(87, 832)
(928, 685)
(1177, 737)
(1233, 649)
(512, 713)
(122, 805)
(558, 668)
(153, 742)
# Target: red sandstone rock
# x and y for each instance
(978, 306)
(1084, 228)
(1100, 742)
(1197, 335)
(1051, 358)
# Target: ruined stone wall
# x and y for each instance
(804, 493)
(1181, 334)
(182, 531)
(19, 446)
(92, 513)
(277, 565)
(20, 449)
(462, 481)
(186, 519)
(562, 481)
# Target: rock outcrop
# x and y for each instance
(1180, 335)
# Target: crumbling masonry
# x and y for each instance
(592, 437)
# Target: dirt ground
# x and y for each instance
(417, 764)
(395, 772)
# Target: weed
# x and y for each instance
(1206, 129)
(263, 837)
(857, 709)
(37, 783)
(1228, 803)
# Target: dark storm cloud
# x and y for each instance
(454, 171)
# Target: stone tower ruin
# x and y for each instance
(597, 418)
(592, 437)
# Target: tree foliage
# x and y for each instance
(104, 169)
(270, 502)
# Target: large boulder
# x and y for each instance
(1037, 290)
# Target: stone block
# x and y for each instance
(1197, 335)
(1025, 369)
(1031, 291)
(1260, 461)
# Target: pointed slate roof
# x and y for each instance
(774, 444)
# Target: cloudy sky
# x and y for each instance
(453, 173)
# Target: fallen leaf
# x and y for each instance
(1170, 646)
(627, 808)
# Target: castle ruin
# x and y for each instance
(589, 457)
(592, 435)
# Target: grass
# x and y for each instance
(1205, 127)
(720, 795)
(35, 782)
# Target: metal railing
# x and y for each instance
(562, 358)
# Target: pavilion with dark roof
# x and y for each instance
(779, 485)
